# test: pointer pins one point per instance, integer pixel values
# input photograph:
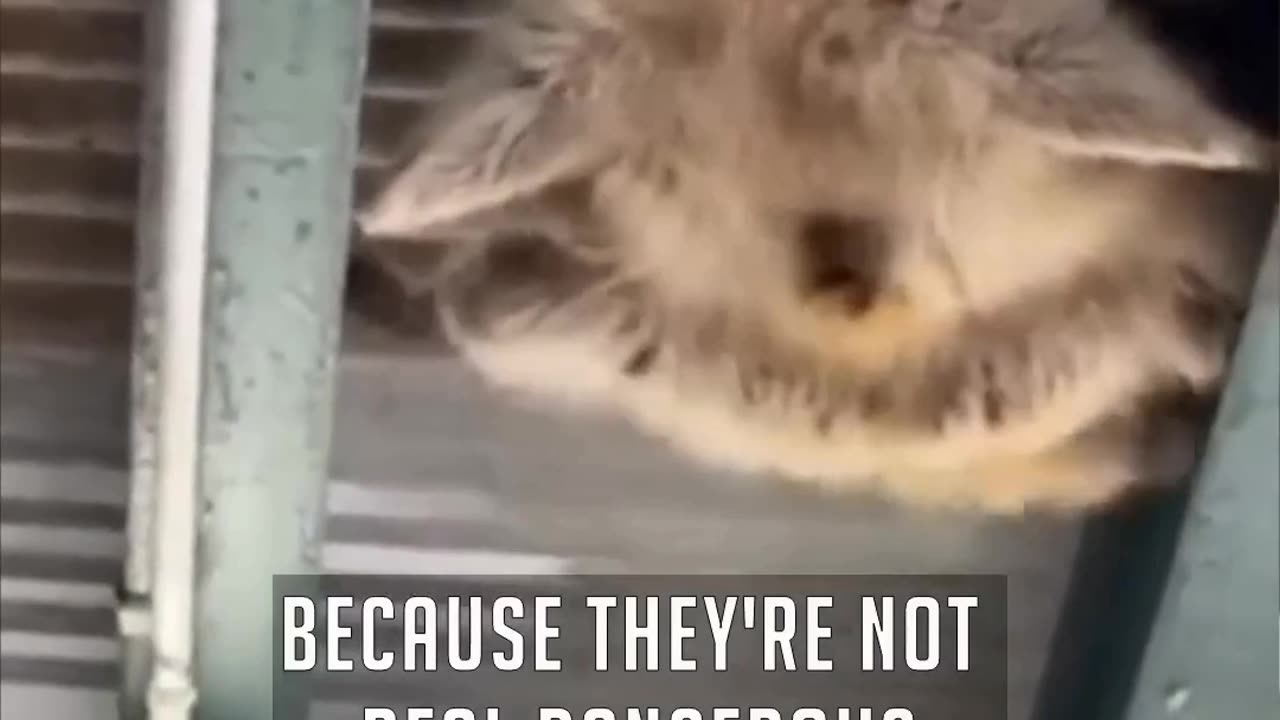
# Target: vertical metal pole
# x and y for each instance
(1215, 646)
(182, 219)
(289, 84)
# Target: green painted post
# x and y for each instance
(290, 74)
(1215, 644)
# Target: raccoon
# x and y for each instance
(965, 253)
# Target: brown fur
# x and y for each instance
(953, 249)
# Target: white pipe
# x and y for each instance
(185, 177)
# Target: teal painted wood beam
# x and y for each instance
(290, 74)
(1215, 644)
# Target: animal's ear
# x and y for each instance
(509, 125)
(1089, 82)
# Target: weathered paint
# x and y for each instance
(1215, 646)
(1139, 582)
(289, 82)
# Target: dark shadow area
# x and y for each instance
(1118, 579)
(1230, 47)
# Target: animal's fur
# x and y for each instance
(955, 248)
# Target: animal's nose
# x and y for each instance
(843, 256)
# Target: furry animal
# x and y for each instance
(968, 252)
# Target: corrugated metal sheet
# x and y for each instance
(62, 494)
(71, 83)
(68, 170)
(432, 473)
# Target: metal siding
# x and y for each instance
(71, 82)
(63, 487)
(67, 181)
(68, 77)
(434, 474)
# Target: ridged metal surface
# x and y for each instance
(70, 77)
(432, 472)
(68, 103)
(62, 494)
(70, 81)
